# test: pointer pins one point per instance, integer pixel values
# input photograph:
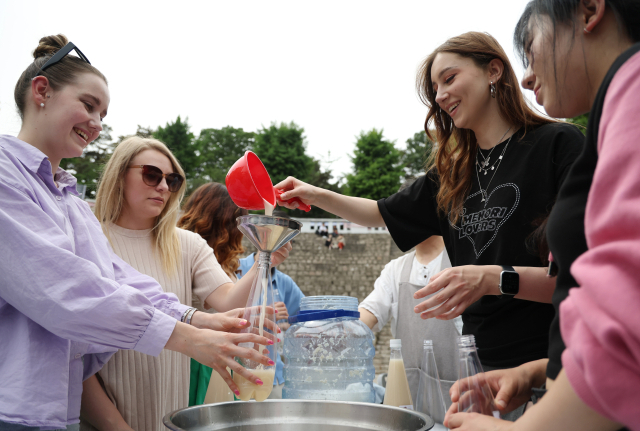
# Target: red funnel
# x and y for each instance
(248, 183)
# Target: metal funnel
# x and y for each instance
(268, 233)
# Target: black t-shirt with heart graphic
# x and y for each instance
(493, 230)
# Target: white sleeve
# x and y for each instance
(385, 293)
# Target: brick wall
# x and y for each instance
(352, 271)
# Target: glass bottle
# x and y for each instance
(475, 394)
(430, 400)
(397, 393)
(258, 311)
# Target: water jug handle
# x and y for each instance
(301, 205)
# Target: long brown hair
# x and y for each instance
(210, 212)
(455, 153)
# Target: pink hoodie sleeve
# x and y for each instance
(600, 321)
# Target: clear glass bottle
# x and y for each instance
(397, 392)
(429, 399)
(475, 394)
(258, 311)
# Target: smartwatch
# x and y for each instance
(509, 281)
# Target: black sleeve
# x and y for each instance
(411, 214)
(568, 142)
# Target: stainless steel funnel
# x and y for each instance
(268, 233)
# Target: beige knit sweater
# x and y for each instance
(145, 388)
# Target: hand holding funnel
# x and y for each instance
(250, 186)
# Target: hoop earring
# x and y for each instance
(492, 89)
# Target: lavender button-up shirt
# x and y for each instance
(66, 300)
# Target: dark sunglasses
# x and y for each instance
(152, 176)
(62, 54)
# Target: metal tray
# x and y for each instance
(296, 415)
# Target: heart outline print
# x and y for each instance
(498, 212)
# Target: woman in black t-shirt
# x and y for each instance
(497, 169)
(585, 56)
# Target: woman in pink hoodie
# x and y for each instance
(584, 56)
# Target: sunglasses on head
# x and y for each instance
(152, 176)
(62, 53)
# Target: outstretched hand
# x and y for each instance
(451, 291)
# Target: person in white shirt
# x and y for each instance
(392, 298)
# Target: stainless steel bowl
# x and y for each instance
(296, 415)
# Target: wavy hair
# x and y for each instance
(212, 214)
(454, 157)
(110, 198)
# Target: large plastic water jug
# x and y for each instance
(328, 352)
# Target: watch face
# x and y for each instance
(509, 283)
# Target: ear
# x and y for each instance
(39, 88)
(496, 68)
(591, 13)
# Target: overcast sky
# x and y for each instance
(335, 68)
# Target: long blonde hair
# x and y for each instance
(110, 198)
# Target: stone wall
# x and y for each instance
(352, 271)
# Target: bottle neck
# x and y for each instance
(264, 259)
(396, 353)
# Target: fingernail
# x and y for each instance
(279, 340)
(276, 311)
(259, 382)
(279, 331)
(415, 310)
(270, 342)
(237, 392)
(243, 322)
(271, 362)
(501, 403)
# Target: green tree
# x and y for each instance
(282, 149)
(220, 148)
(377, 171)
(182, 143)
(88, 167)
(415, 156)
(581, 120)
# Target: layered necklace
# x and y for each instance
(485, 167)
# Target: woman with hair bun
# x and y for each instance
(497, 169)
(67, 302)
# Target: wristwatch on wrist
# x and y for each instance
(509, 281)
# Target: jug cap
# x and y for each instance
(308, 315)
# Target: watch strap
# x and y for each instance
(508, 268)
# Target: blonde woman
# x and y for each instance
(137, 204)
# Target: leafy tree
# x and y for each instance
(581, 120)
(414, 157)
(376, 167)
(282, 149)
(88, 167)
(220, 148)
(182, 143)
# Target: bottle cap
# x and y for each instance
(428, 343)
(396, 343)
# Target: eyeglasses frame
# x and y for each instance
(62, 53)
(163, 176)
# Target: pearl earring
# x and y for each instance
(42, 104)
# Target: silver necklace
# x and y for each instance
(498, 162)
(484, 166)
